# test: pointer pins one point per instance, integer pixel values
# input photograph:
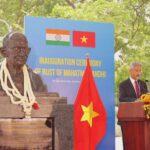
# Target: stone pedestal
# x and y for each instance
(50, 128)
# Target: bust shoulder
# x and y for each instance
(36, 81)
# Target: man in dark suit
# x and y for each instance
(132, 88)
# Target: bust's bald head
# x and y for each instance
(13, 36)
(15, 48)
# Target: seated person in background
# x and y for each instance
(132, 88)
(17, 80)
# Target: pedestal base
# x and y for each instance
(26, 134)
(50, 127)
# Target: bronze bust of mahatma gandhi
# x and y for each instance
(20, 83)
(17, 80)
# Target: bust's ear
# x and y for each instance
(3, 51)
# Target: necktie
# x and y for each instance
(137, 89)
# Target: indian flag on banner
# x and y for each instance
(57, 37)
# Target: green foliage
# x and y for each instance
(131, 19)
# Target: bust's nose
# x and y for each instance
(23, 52)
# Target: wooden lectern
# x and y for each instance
(135, 127)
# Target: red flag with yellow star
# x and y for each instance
(89, 114)
(84, 39)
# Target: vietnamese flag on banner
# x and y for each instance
(89, 114)
(84, 39)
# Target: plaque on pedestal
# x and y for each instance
(49, 128)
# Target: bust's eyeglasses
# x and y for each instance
(20, 49)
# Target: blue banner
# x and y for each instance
(58, 53)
